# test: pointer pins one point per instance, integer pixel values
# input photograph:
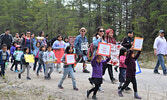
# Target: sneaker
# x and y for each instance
(127, 88)
(11, 69)
(87, 93)
(3, 76)
(69, 76)
(19, 76)
(100, 89)
(49, 76)
(40, 70)
(46, 78)
(75, 88)
(115, 68)
(86, 71)
(37, 74)
(156, 72)
(120, 93)
(119, 87)
(16, 71)
(28, 78)
(60, 72)
(94, 97)
(60, 87)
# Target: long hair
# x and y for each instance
(122, 51)
(67, 50)
(97, 30)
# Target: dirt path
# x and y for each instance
(150, 87)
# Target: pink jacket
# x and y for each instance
(122, 62)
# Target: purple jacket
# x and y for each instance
(130, 63)
(97, 67)
(12, 49)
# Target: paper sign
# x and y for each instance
(138, 70)
(104, 49)
(115, 49)
(138, 43)
(71, 40)
(39, 38)
(29, 58)
(84, 46)
(18, 56)
(70, 58)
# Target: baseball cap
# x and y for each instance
(161, 31)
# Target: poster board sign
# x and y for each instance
(29, 58)
(70, 59)
(104, 49)
(18, 56)
(84, 46)
(138, 43)
(138, 69)
(40, 38)
(115, 49)
(71, 40)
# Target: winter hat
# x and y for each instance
(109, 30)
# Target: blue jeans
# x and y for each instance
(161, 62)
(68, 71)
(39, 67)
(122, 74)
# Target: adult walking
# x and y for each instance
(27, 42)
(128, 41)
(6, 38)
(160, 50)
(81, 40)
(17, 39)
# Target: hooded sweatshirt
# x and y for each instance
(130, 63)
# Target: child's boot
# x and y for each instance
(120, 93)
(94, 97)
(136, 96)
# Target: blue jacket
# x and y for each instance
(77, 44)
(7, 58)
(36, 49)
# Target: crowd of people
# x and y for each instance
(49, 54)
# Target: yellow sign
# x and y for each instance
(29, 58)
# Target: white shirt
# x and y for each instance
(160, 45)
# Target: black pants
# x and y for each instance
(110, 71)
(3, 69)
(95, 89)
(35, 64)
(128, 80)
(16, 64)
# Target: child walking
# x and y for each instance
(25, 64)
(17, 54)
(36, 54)
(97, 65)
(58, 48)
(68, 69)
(49, 60)
(12, 50)
(130, 73)
(66, 42)
(40, 60)
(122, 66)
(4, 57)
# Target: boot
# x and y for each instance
(120, 93)
(136, 96)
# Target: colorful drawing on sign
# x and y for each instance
(71, 39)
(70, 59)
(104, 49)
(115, 54)
(138, 43)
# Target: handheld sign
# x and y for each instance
(138, 43)
(71, 39)
(104, 49)
(70, 59)
(39, 38)
(84, 46)
(138, 70)
(29, 58)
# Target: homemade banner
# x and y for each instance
(19, 54)
(29, 58)
(138, 43)
(104, 49)
(138, 70)
(84, 46)
(115, 49)
(70, 59)
(71, 40)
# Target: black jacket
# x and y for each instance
(127, 42)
